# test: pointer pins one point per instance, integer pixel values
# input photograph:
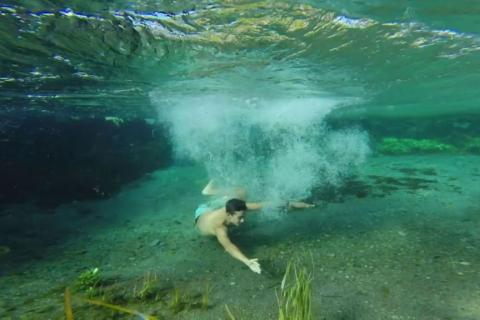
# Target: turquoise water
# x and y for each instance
(114, 116)
(395, 59)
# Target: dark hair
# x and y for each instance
(233, 205)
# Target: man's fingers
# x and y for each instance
(256, 269)
(254, 265)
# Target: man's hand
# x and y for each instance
(254, 265)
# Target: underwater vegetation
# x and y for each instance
(147, 289)
(294, 300)
(115, 120)
(414, 179)
(177, 302)
(68, 304)
(388, 184)
(163, 299)
(399, 146)
(472, 145)
(121, 309)
(88, 281)
(182, 301)
(69, 309)
(205, 300)
(229, 313)
(418, 171)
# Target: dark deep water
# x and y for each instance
(114, 114)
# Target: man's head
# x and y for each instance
(235, 210)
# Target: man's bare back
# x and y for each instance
(215, 222)
(210, 221)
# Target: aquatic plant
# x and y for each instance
(177, 302)
(229, 313)
(88, 281)
(398, 146)
(115, 120)
(68, 305)
(121, 309)
(148, 287)
(205, 301)
(69, 310)
(294, 301)
(472, 145)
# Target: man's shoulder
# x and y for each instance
(216, 217)
(221, 230)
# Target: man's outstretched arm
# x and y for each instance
(256, 205)
(233, 250)
(288, 204)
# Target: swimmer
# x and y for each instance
(215, 218)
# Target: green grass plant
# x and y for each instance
(177, 303)
(294, 300)
(180, 301)
(147, 289)
(229, 313)
(88, 281)
(205, 300)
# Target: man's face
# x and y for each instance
(237, 218)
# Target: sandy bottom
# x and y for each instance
(400, 241)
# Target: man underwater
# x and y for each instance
(215, 217)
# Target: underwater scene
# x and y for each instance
(284, 160)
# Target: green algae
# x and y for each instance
(400, 146)
(418, 171)
(472, 145)
(404, 146)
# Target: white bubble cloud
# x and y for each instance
(278, 148)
